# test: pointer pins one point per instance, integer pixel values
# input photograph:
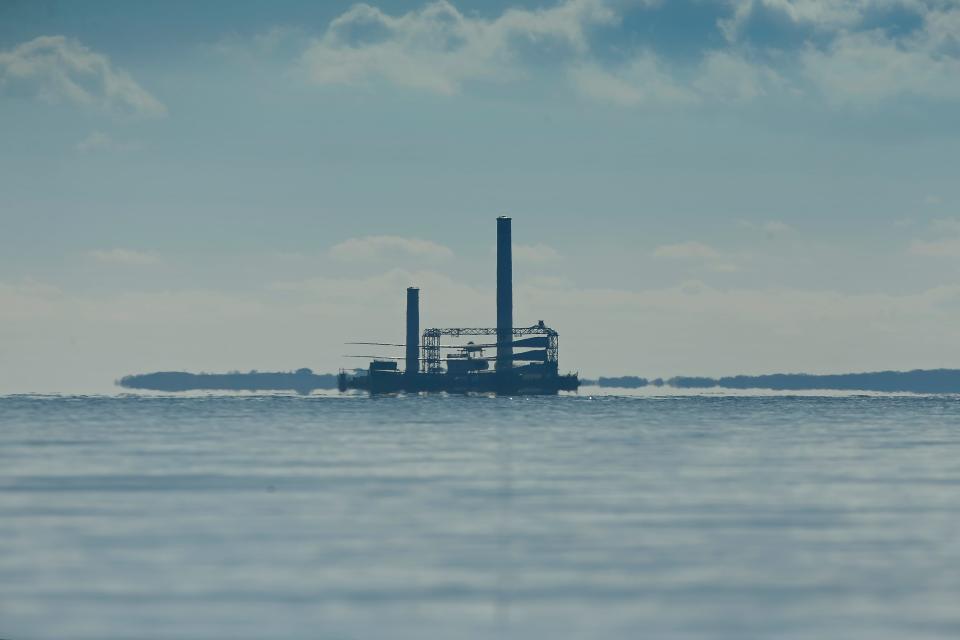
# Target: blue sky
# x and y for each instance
(698, 187)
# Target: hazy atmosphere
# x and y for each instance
(566, 319)
(697, 187)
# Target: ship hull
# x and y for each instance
(380, 382)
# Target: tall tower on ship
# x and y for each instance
(504, 297)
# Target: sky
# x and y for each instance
(698, 187)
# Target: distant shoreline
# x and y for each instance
(916, 381)
(305, 381)
(302, 381)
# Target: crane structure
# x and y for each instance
(430, 344)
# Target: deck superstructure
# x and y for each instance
(526, 359)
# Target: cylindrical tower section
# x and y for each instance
(413, 331)
(504, 294)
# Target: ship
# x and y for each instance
(525, 360)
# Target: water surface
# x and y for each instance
(475, 517)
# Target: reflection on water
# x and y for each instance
(505, 576)
(574, 517)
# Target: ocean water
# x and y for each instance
(477, 517)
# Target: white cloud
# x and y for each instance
(867, 67)
(127, 257)
(276, 37)
(851, 61)
(436, 47)
(100, 141)
(641, 82)
(823, 15)
(535, 253)
(772, 228)
(701, 255)
(387, 289)
(775, 227)
(279, 40)
(61, 340)
(60, 69)
(694, 328)
(729, 77)
(947, 245)
(371, 248)
(944, 248)
(95, 141)
(948, 225)
(646, 80)
(691, 250)
(932, 200)
(723, 267)
(27, 301)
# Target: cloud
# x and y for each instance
(535, 253)
(771, 228)
(646, 80)
(775, 227)
(26, 301)
(945, 246)
(81, 341)
(281, 41)
(640, 82)
(723, 267)
(691, 250)
(387, 288)
(702, 255)
(843, 52)
(948, 225)
(436, 48)
(95, 141)
(370, 248)
(100, 141)
(62, 340)
(817, 16)
(864, 68)
(730, 77)
(871, 66)
(817, 13)
(127, 257)
(56, 68)
(68, 340)
(845, 59)
(696, 328)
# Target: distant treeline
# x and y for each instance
(305, 381)
(622, 382)
(301, 381)
(917, 381)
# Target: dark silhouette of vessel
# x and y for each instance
(526, 360)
